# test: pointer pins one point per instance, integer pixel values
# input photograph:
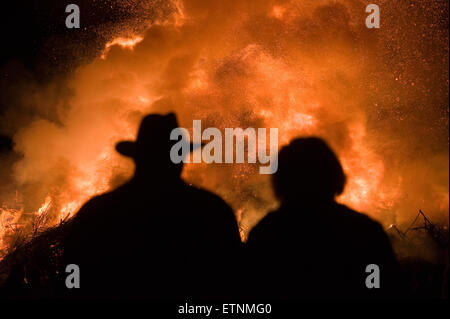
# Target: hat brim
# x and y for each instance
(128, 148)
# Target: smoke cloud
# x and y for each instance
(378, 96)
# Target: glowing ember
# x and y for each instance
(127, 43)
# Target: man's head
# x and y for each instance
(151, 150)
(308, 170)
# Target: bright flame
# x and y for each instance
(127, 43)
(230, 66)
(45, 207)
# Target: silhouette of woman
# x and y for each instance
(313, 247)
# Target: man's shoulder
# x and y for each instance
(272, 222)
(206, 197)
(360, 221)
(101, 203)
(271, 218)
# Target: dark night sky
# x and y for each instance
(35, 37)
(26, 26)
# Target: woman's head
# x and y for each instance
(308, 170)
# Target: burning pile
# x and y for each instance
(306, 68)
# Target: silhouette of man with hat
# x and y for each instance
(155, 236)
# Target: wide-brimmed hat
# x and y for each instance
(153, 136)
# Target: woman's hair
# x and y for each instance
(308, 169)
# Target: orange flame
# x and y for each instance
(230, 72)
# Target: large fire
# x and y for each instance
(307, 68)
